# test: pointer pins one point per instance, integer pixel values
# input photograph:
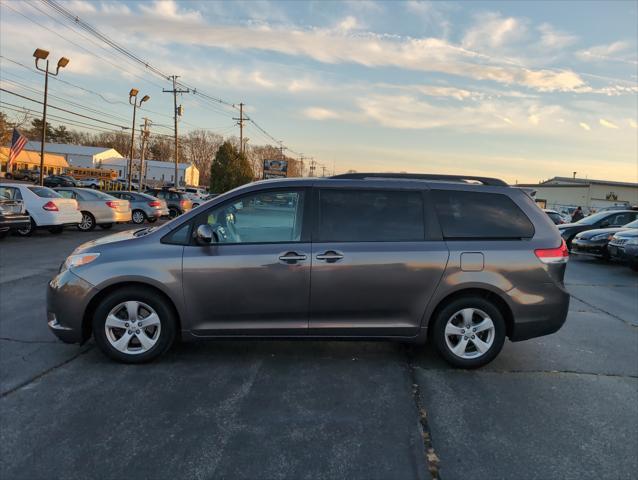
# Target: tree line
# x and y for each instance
(199, 147)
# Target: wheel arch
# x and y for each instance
(89, 311)
(496, 298)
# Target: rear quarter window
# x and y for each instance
(464, 214)
(44, 192)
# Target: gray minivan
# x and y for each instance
(461, 261)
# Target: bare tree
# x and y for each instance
(200, 147)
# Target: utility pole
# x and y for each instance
(176, 113)
(323, 170)
(312, 167)
(240, 122)
(144, 134)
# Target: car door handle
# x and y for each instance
(329, 256)
(292, 257)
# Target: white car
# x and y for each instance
(46, 208)
(196, 195)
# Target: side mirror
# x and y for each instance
(204, 234)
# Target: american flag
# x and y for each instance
(18, 141)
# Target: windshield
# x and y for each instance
(594, 218)
(633, 224)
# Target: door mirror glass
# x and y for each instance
(204, 234)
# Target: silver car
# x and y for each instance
(144, 207)
(463, 261)
(98, 208)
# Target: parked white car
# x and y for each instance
(46, 208)
(196, 195)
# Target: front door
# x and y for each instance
(375, 264)
(255, 278)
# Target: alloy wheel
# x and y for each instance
(132, 327)
(138, 216)
(87, 222)
(469, 333)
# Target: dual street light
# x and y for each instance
(132, 99)
(41, 54)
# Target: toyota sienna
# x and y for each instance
(461, 261)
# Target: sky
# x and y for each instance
(523, 91)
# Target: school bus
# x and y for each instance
(99, 173)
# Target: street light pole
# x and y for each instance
(132, 99)
(40, 54)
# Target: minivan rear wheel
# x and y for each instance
(469, 332)
(134, 325)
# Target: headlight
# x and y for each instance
(78, 260)
(600, 236)
(632, 241)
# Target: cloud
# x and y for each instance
(168, 9)
(552, 38)
(347, 24)
(318, 113)
(613, 52)
(607, 123)
(632, 123)
(493, 30)
(584, 126)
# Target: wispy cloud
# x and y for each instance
(607, 124)
(584, 126)
(319, 113)
(619, 51)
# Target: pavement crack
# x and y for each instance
(46, 372)
(431, 458)
(538, 371)
(18, 340)
(612, 315)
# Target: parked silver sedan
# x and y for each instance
(144, 207)
(98, 208)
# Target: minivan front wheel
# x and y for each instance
(134, 325)
(469, 332)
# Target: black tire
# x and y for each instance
(56, 230)
(173, 212)
(88, 222)
(195, 205)
(152, 219)
(28, 231)
(138, 216)
(106, 226)
(448, 311)
(168, 323)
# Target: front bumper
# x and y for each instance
(587, 247)
(67, 298)
(538, 313)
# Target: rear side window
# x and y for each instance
(10, 193)
(44, 192)
(370, 216)
(480, 215)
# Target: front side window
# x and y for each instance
(265, 217)
(370, 216)
(465, 214)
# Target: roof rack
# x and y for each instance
(424, 176)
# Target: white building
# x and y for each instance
(76, 155)
(561, 192)
(157, 173)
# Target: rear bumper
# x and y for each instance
(14, 221)
(539, 313)
(67, 298)
(113, 217)
(157, 212)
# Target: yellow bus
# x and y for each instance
(99, 173)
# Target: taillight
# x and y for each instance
(50, 207)
(553, 255)
(154, 203)
(183, 203)
(111, 204)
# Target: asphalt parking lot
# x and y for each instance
(563, 406)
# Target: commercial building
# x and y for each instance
(53, 164)
(77, 155)
(157, 173)
(561, 193)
